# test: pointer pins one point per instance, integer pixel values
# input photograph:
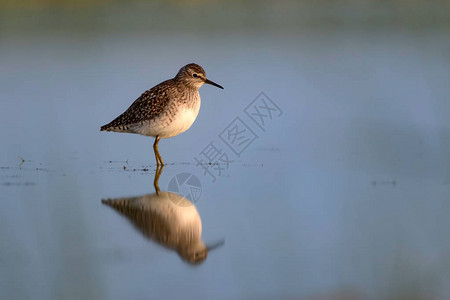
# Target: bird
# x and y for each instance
(165, 110)
(168, 219)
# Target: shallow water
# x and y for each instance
(343, 191)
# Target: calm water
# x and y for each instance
(344, 192)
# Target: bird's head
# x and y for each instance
(194, 76)
(194, 254)
(197, 252)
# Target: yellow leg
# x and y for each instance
(157, 174)
(159, 160)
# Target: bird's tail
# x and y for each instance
(104, 127)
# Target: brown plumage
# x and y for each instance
(168, 219)
(148, 106)
(165, 110)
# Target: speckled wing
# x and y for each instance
(138, 211)
(148, 106)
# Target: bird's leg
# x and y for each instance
(159, 160)
(157, 174)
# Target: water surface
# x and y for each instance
(343, 192)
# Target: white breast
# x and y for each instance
(179, 121)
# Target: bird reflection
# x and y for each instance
(168, 219)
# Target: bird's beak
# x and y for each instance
(215, 245)
(213, 83)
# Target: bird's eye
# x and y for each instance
(195, 75)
